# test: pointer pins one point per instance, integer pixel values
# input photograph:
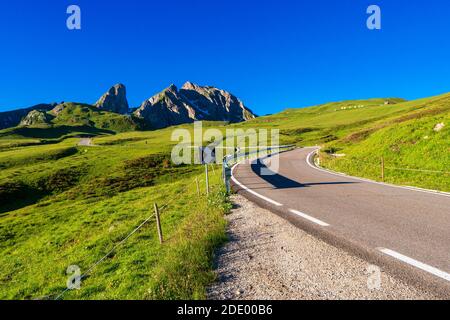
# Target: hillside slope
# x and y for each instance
(355, 135)
(12, 118)
(415, 147)
(64, 121)
(63, 205)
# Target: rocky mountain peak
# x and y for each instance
(191, 103)
(115, 100)
(172, 88)
(189, 86)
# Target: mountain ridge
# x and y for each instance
(169, 107)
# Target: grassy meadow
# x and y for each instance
(62, 204)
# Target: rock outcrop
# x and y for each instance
(191, 103)
(115, 100)
(58, 109)
(12, 118)
(35, 117)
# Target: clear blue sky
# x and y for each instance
(271, 54)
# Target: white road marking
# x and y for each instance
(308, 161)
(420, 265)
(307, 217)
(417, 264)
(251, 191)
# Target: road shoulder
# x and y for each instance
(268, 258)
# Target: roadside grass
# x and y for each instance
(39, 242)
(72, 208)
(411, 148)
(364, 131)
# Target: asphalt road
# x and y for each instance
(404, 231)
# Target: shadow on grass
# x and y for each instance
(55, 132)
(19, 199)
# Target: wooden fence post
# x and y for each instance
(158, 224)
(207, 179)
(382, 169)
(198, 186)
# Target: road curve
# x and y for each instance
(404, 231)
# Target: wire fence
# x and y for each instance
(417, 170)
(107, 255)
(152, 217)
(382, 164)
(388, 171)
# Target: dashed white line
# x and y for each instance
(420, 265)
(251, 191)
(296, 212)
(307, 217)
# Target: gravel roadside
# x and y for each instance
(268, 258)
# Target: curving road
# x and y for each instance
(405, 231)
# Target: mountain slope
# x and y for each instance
(64, 121)
(12, 118)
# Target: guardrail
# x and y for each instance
(230, 160)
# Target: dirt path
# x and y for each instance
(87, 142)
(268, 258)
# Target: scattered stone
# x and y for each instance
(439, 127)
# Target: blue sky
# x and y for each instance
(272, 54)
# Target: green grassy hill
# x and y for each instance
(363, 131)
(65, 205)
(62, 204)
(71, 120)
(415, 147)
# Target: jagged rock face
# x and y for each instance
(165, 109)
(215, 104)
(10, 119)
(192, 103)
(115, 100)
(57, 109)
(35, 117)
